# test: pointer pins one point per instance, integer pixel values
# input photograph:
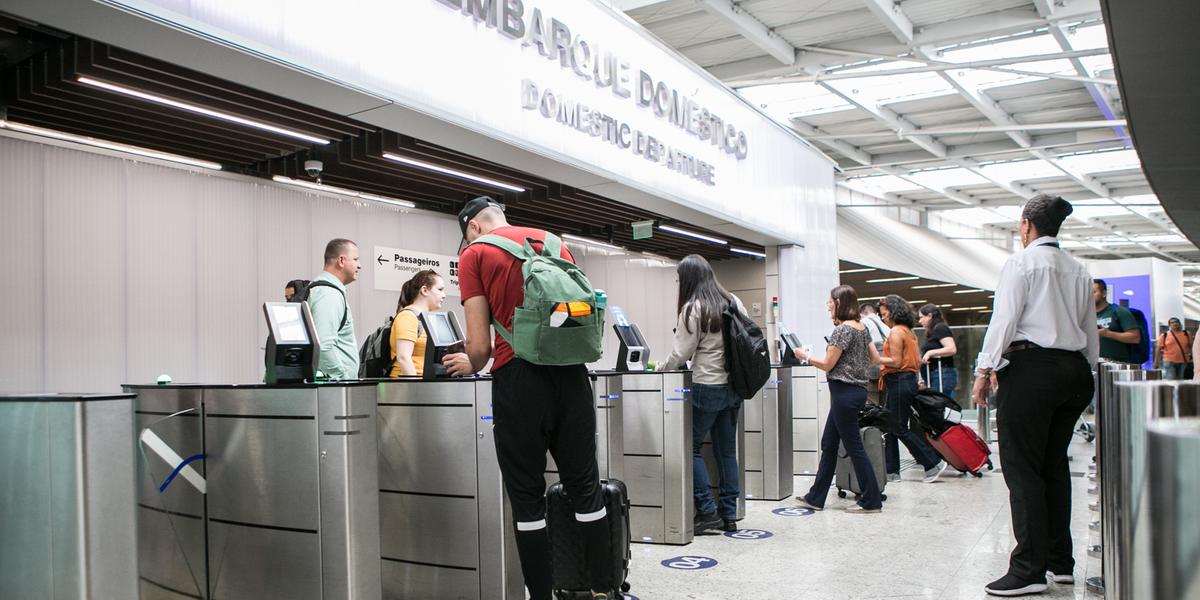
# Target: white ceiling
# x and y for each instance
(1027, 105)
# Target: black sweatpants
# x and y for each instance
(1042, 393)
(538, 408)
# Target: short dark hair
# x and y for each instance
(1101, 283)
(337, 247)
(902, 312)
(1047, 213)
(845, 303)
(1176, 319)
(867, 307)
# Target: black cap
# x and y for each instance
(472, 209)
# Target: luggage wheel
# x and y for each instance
(624, 587)
(978, 475)
(990, 467)
(841, 493)
(883, 497)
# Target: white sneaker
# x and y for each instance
(932, 474)
(893, 477)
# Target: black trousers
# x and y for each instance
(1042, 394)
(537, 409)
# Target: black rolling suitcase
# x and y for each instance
(568, 561)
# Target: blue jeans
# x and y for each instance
(842, 428)
(1173, 370)
(901, 388)
(715, 410)
(946, 376)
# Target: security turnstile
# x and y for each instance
(710, 463)
(445, 523)
(808, 412)
(658, 456)
(607, 397)
(68, 517)
(261, 491)
(769, 438)
(1174, 514)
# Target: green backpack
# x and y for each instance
(550, 328)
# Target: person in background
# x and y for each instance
(1174, 350)
(901, 362)
(424, 292)
(1039, 350)
(1118, 329)
(699, 338)
(293, 287)
(847, 359)
(937, 353)
(879, 332)
(331, 310)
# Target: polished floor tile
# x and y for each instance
(939, 541)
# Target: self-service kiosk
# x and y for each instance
(444, 337)
(634, 353)
(789, 343)
(293, 347)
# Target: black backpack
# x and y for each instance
(746, 357)
(1140, 352)
(302, 294)
(375, 356)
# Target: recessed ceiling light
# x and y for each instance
(107, 145)
(412, 162)
(893, 279)
(693, 234)
(970, 291)
(933, 285)
(589, 241)
(201, 110)
(864, 270)
(320, 187)
(748, 252)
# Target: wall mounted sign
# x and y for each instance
(394, 266)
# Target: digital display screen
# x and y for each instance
(289, 324)
(629, 337)
(791, 339)
(440, 329)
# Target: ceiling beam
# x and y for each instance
(1045, 8)
(628, 5)
(752, 29)
(980, 150)
(1099, 95)
(847, 150)
(889, 12)
(890, 118)
(905, 133)
(962, 199)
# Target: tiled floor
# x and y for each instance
(943, 541)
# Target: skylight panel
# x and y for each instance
(879, 185)
(883, 89)
(1099, 162)
(1098, 212)
(975, 217)
(798, 99)
(942, 179)
(1021, 170)
(1088, 38)
(1025, 46)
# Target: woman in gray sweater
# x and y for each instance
(699, 339)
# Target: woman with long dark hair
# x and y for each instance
(424, 292)
(937, 353)
(900, 365)
(699, 338)
(847, 359)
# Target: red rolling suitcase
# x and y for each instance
(963, 449)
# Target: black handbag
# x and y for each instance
(877, 417)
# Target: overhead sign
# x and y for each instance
(394, 266)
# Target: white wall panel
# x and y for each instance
(21, 241)
(160, 261)
(228, 293)
(85, 278)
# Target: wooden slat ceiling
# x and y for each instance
(41, 88)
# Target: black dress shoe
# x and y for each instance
(1011, 585)
(706, 521)
(729, 525)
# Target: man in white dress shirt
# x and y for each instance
(1038, 354)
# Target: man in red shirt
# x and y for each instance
(536, 407)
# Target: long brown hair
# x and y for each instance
(845, 301)
(698, 284)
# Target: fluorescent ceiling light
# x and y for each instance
(872, 298)
(79, 139)
(748, 252)
(917, 301)
(892, 279)
(847, 271)
(320, 187)
(693, 234)
(452, 172)
(201, 110)
(590, 241)
(933, 285)
(945, 305)
(970, 291)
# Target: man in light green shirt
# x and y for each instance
(331, 311)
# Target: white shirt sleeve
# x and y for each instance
(1088, 325)
(1006, 313)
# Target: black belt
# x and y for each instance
(1019, 346)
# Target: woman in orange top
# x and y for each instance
(425, 292)
(901, 361)
(1174, 350)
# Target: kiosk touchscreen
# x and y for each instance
(293, 348)
(445, 337)
(634, 353)
(787, 354)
